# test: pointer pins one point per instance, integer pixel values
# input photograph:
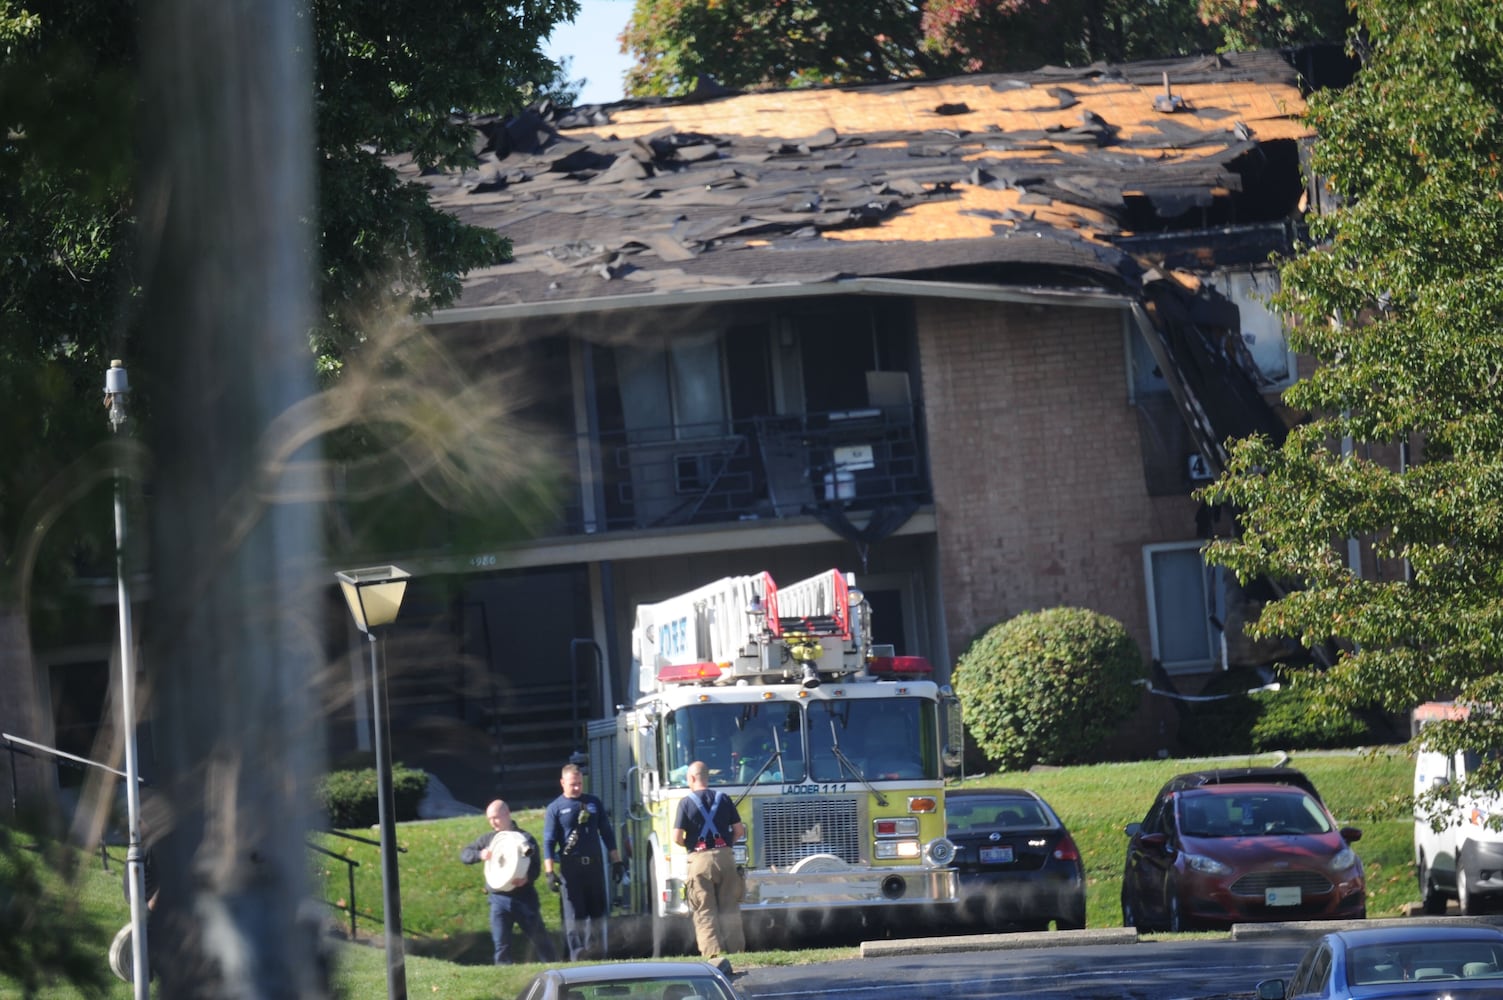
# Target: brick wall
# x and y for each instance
(1038, 472)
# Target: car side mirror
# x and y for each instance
(1132, 829)
(1271, 989)
(1351, 834)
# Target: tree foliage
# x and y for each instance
(772, 43)
(1399, 299)
(780, 43)
(390, 76)
(1048, 686)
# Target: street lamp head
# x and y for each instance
(116, 388)
(374, 594)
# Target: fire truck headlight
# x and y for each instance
(892, 850)
(939, 852)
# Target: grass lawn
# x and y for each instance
(444, 912)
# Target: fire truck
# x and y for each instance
(834, 751)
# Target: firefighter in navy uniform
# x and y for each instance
(707, 825)
(577, 839)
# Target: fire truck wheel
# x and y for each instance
(662, 931)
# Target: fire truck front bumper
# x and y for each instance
(849, 886)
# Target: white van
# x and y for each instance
(1464, 858)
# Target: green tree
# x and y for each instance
(1399, 300)
(758, 44)
(1048, 686)
(390, 76)
(781, 43)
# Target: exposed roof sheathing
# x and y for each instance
(1026, 174)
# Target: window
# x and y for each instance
(1179, 608)
(1262, 329)
(672, 390)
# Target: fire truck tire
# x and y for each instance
(666, 930)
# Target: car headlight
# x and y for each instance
(1344, 859)
(1206, 866)
(939, 852)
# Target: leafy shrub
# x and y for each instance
(1048, 686)
(1294, 718)
(349, 798)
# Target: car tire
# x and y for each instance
(1466, 900)
(1075, 923)
(1431, 899)
(1130, 914)
(1177, 922)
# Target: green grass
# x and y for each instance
(444, 912)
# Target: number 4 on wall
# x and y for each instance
(1198, 467)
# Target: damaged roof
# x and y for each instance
(1060, 177)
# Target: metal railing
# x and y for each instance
(753, 469)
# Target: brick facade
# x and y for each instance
(1037, 468)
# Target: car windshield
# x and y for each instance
(676, 988)
(1251, 814)
(1394, 963)
(1010, 812)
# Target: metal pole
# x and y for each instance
(391, 895)
(116, 386)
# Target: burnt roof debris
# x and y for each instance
(1102, 179)
(1070, 172)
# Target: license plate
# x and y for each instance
(1287, 896)
(997, 856)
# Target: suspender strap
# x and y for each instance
(709, 832)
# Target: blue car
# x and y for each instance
(1411, 962)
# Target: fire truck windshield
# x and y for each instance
(783, 742)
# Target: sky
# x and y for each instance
(590, 43)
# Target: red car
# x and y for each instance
(1217, 855)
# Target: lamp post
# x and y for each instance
(116, 388)
(374, 596)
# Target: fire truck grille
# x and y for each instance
(791, 829)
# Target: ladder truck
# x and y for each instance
(834, 751)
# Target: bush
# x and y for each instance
(1048, 686)
(1293, 718)
(349, 797)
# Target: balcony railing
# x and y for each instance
(761, 468)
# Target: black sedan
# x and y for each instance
(1019, 867)
(1397, 963)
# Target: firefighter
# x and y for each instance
(707, 825)
(577, 838)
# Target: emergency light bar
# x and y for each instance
(899, 666)
(688, 673)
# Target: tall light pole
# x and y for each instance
(116, 388)
(374, 596)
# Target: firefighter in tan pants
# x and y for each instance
(706, 826)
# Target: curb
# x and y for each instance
(998, 942)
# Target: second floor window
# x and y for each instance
(672, 391)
